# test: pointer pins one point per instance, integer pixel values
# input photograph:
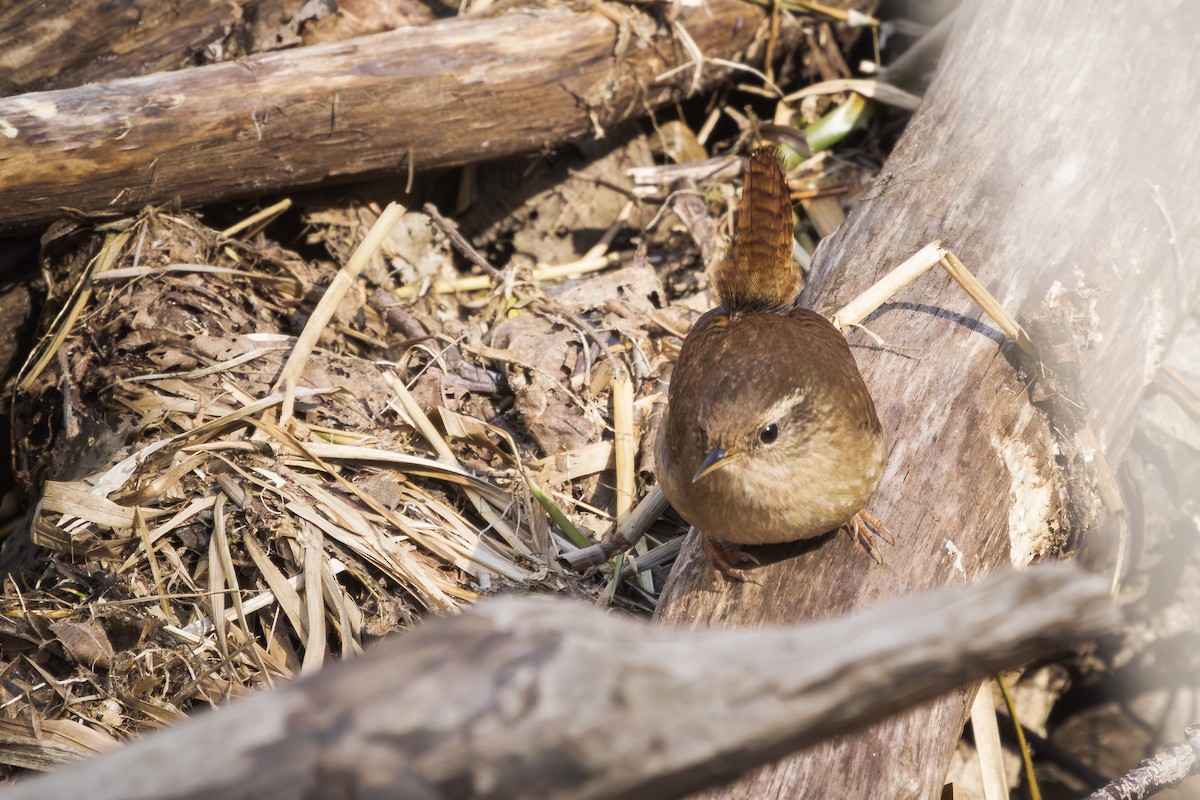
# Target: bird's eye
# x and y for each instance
(769, 434)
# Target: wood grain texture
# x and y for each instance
(545, 698)
(54, 44)
(1054, 154)
(447, 93)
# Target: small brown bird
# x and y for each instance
(770, 434)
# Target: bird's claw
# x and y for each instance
(723, 558)
(865, 529)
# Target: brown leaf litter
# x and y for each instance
(198, 547)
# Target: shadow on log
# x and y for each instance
(529, 697)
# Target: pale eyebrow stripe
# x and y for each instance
(776, 411)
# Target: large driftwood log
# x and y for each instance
(445, 93)
(528, 697)
(1054, 153)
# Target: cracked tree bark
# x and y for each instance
(1054, 154)
(53, 44)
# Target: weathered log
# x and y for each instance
(56, 44)
(1054, 154)
(53, 44)
(529, 697)
(446, 93)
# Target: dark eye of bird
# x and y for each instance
(769, 434)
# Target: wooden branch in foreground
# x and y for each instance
(447, 93)
(535, 697)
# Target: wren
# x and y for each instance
(770, 434)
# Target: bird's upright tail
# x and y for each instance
(759, 274)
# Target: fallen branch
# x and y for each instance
(1161, 771)
(446, 93)
(529, 697)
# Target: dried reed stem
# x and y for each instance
(328, 305)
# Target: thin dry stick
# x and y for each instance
(625, 454)
(217, 576)
(329, 302)
(267, 214)
(281, 589)
(460, 242)
(627, 534)
(1173, 765)
(624, 446)
(601, 247)
(220, 537)
(143, 533)
(933, 253)
(416, 415)
(314, 607)
(987, 744)
(1035, 793)
(125, 273)
(542, 272)
(883, 289)
(971, 285)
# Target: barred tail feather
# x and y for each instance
(759, 273)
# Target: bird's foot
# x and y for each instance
(723, 557)
(865, 529)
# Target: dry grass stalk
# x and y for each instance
(971, 285)
(874, 89)
(68, 315)
(987, 744)
(541, 273)
(626, 452)
(258, 220)
(886, 287)
(625, 444)
(329, 301)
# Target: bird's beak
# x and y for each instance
(716, 458)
